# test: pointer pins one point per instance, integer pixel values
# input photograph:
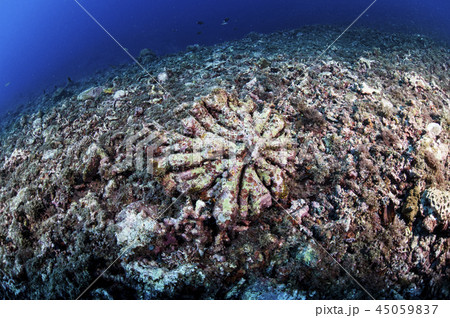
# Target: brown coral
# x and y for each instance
(229, 153)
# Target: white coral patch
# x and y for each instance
(135, 227)
(436, 206)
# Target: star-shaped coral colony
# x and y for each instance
(239, 158)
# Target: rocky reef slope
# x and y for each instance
(249, 173)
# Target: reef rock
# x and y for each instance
(136, 225)
(15, 159)
(90, 93)
(119, 94)
(147, 55)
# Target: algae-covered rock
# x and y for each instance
(15, 159)
(411, 206)
(91, 162)
(146, 56)
(267, 290)
(155, 280)
(308, 256)
(90, 93)
(263, 63)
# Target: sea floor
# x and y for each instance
(366, 183)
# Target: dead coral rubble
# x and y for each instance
(354, 146)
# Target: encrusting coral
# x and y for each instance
(436, 208)
(231, 153)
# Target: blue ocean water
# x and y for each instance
(45, 42)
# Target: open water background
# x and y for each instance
(42, 42)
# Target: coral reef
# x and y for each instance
(353, 147)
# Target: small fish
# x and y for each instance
(225, 21)
(7, 84)
(199, 32)
(200, 22)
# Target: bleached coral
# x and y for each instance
(136, 225)
(158, 279)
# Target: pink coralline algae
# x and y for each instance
(238, 158)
